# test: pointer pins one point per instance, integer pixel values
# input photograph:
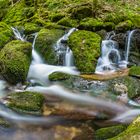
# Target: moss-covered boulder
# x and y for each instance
(19, 14)
(124, 26)
(92, 24)
(131, 133)
(15, 61)
(58, 76)
(3, 8)
(68, 22)
(109, 132)
(45, 42)
(26, 102)
(5, 34)
(31, 28)
(86, 49)
(81, 11)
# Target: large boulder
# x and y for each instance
(45, 42)
(86, 49)
(15, 61)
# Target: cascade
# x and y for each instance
(68, 57)
(110, 57)
(128, 43)
(36, 58)
(18, 35)
(63, 51)
(39, 71)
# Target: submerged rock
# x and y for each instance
(26, 102)
(15, 61)
(86, 49)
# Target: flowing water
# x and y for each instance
(18, 35)
(110, 60)
(63, 51)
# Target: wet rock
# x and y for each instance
(89, 44)
(15, 61)
(26, 102)
(58, 76)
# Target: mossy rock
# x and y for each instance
(19, 14)
(131, 133)
(31, 28)
(86, 49)
(55, 17)
(109, 132)
(56, 76)
(45, 42)
(5, 34)
(92, 24)
(81, 11)
(135, 19)
(124, 26)
(135, 71)
(15, 61)
(26, 102)
(132, 84)
(68, 22)
(4, 4)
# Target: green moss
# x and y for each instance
(124, 26)
(135, 70)
(136, 20)
(31, 28)
(81, 11)
(131, 133)
(19, 14)
(5, 34)
(92, 24)
(28, 102)
(86, 49)
(68, 22)
(56, 17)
(109, 132)
(3, 8)
(58, 76)
(45, 41)
(15, 61)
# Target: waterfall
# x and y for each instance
(128, 43)
(18, 35)
(68, 57)
(110, 57)
(35, 56)
(62, 49)
(39, 71)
